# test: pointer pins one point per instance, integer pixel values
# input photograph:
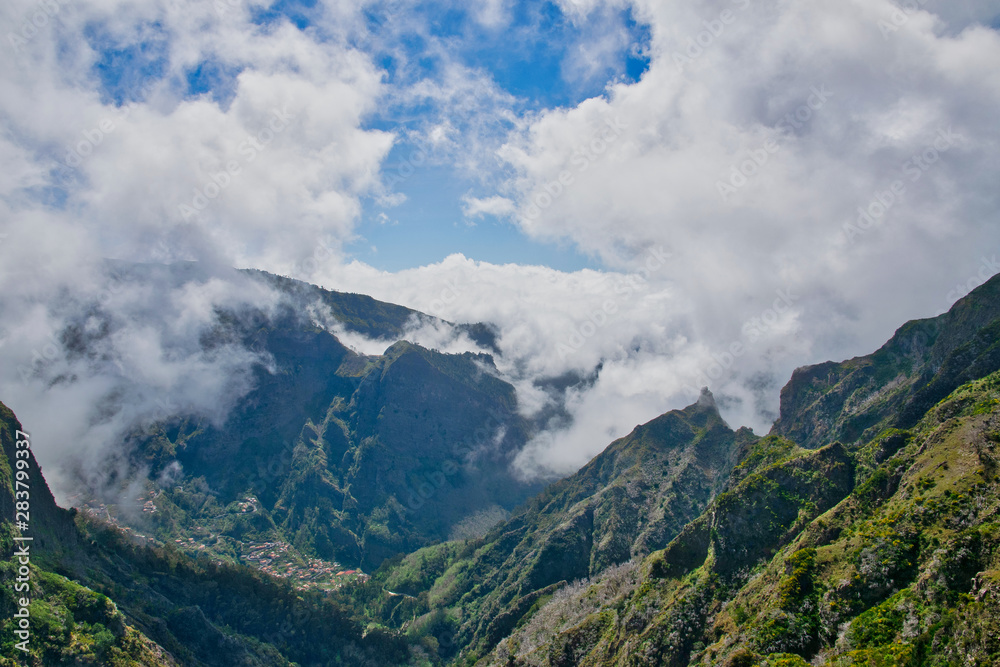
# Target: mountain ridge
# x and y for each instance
(924, 361)
(812, 535)
(630, 500)
(335, 422)
(862, 530)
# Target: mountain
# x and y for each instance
(826, 556)
(631, 500)
(922, 364)
(636, 558)
(862, 530)
(875, 543)
(344, 457)
(95, 596)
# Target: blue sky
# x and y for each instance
(125, 130)
(430, 225)
(530, 60)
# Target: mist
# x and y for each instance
(790, 189)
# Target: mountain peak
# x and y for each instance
(921, 364)
(706, 399)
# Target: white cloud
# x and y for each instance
(824, 111)
(288, 146)
(84, 369)
(279, 168)
(474, 207)
(645, 335)
(820, 107)
(686, 126)
(493, 13)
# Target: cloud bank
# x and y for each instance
(817, 173)
(782, 183)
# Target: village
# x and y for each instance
(279, 559)
(275, 558)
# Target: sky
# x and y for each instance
(656, 195)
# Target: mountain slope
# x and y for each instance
(97, 597)
(343, 457)
(67, 623)
(885, 551)
(861, 531)
(436, 439)
(894, 387)
(630, 500)
(903, 571)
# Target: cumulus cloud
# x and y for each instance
(818, 174)
(748, 155)
(474, 207)
(593, 353)
(787, 182)
(114, 151)
(122, 350)
(189, 169)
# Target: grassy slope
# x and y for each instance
(100, 598)
(904, 570)
(630, 500)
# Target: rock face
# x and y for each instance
(894, 387)
(352, 458)
(436, 439)
(631, 500)
(862, 530)
(370, 465)
(51, 527)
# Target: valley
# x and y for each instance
(367, 514)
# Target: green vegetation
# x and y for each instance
(71, 625)
(881, 552)
(629, 501)
(349, 459)
(101, 596)
(863, 530)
